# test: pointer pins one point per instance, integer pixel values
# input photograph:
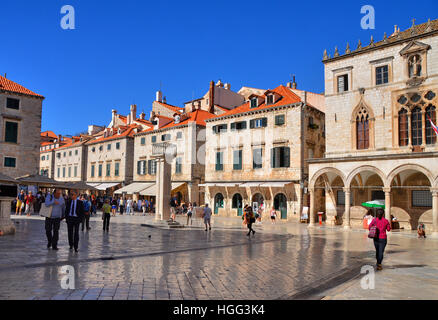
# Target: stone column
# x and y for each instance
(387, 203)
(312, 211)
(164, 188)
(409, 129)
(435, 212)
(423, 129)
(157, 192)
(346, 218)
(6, 225)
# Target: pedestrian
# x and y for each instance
(421, 231)
(273, 215)
(114, 207)
(249, 219)
(367, 219)
(29, 200)
(207, 217)
(39, 199)
(106, 215)
(189, 214)
(74, 215)
(381, 225)
(128, 206)
(20, 202)
(121, 205)
(259, 213)
(87, 208)
(52, 224)
(173, 205)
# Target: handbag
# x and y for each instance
(46, 211)
(374, 232)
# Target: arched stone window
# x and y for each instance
(362, 129)
(430, 133)
(414, 66)
(403, 128)
(417, 125)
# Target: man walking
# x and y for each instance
(207, 217)
(87, 207)
(56, 201)
(74, 215)
(20, 202)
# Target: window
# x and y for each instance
(10, 162)
(58, 155)
(152, 167)
(69, 172)
(92, 170)
(70, 153)
(108, 169)
(417, 135)
(414, 65)
(117, 169)
(377, 195)
(237, 159)
(100, 170)
(100, 148)
(430, 133)
(219, 161)
(257, 158)
(382, 75)
(43, 158)
(270, 99)
(220, 128)
(93, 149)
(108, 147)
(76, 152)
(280, 157)
(65, 154)
(75, 171)
(117, 145)
(236, 126)
(165, 137)
(279, 120)
(63, 172)
(362, 130)
(47, 157)
(254, 103)
(343, 83)
(403, 129)
(421, 198)
(11, 132)
(341, 198)
(258, 123)
(154, 139)
(178, 165)
(179, 135)
(143, 141)
(59, 172)
(141, 167)
(12, 103)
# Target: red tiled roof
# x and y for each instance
(11, 86)
(128, 132)
(198, 116)
(287, 97)
(50, 134)
(170, 107)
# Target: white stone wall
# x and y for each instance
(74, 157)
(27, 150)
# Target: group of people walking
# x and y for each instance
(76, 211)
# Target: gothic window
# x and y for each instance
(362, 130)
(403, 130)
(430, 133)
(414, 64)
(417, 137)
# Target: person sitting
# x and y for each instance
(421, 231)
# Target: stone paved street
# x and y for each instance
(286, 261)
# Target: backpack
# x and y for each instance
(374, 231)
(86, 206)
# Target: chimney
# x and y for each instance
(142, 116)
(211, 98)
(59, 138)
(289, 84)
(227, 86)
(159, 96)
(294, 84)
(133, 113)
(113, 118)
(164, 100)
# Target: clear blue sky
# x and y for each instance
(120, 51)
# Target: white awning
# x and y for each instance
(93, 184)
(176, 185)
(152, 190)
(275, 184)
(251, 184)
(226, 184)
(104, 186)
(135, 187)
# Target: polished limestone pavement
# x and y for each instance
(284, 261)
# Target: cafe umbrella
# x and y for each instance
(374, 204)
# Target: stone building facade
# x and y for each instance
(20, 129)
(71, 160)
(255, 154)
(380, 144)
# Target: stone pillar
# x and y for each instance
(157, 191)
(346, 218)
(193, 192)
(423, 129)
(435, 212)
(409, 129)
(6, 225)
(312, 211)
(387, 203)
(164, 188)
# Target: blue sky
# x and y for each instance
(121, 51)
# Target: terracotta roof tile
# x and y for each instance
(170, 107)
(11, 86)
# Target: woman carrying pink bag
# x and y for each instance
(378, 228)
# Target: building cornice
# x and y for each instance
(376, 157)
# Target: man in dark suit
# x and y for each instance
(74, 214)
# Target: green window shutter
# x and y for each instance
(286, 162)
(233, 126)
(273, 158)
(138, 167)
(243, 125)
(251, 124)
(264, 122)
(11, 134)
